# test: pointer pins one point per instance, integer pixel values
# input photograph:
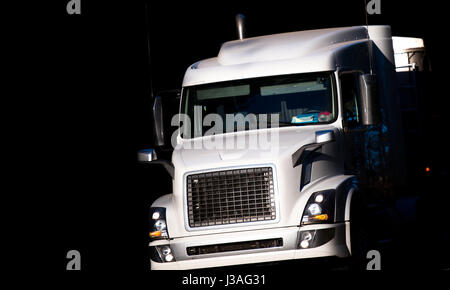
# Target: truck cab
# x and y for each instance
(277, 137)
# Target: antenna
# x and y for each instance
(147, 22)
(369, 43)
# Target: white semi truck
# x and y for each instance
(332, 100)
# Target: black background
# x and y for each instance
(90, 75)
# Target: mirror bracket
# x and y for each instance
(148, 156)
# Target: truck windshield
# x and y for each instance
(300, 99)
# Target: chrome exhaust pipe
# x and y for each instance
(240, 24)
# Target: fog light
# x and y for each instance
(304, 244)
(166, 251)
(314, 238)
(306, 237)
(169, 258)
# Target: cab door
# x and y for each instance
(351, 123)
(363, 145)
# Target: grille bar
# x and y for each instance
(230, 247)
(230, 196)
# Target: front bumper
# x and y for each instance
(335, 245)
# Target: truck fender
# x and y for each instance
(348, 203)
(347, 219)
(344, 196)
(163, 201)
(166, 201)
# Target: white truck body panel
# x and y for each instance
(286, 53)
(403, 45)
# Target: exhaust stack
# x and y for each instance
(240, 24)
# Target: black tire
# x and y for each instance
(359, 238)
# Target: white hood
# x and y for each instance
(287, 141)
(277, 143)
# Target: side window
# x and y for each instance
(349, 90)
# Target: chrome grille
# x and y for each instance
(230, 197)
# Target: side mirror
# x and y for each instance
(165, 105)
(158, 121)
(370, 105)
(324, 136)
(161, 119)
(147, 155)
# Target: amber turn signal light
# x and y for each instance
(155, 234)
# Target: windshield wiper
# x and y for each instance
(282, 124)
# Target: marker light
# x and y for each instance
(155, 234)
(320, 217)
(319, 198)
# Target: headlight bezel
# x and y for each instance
(158, 224)
(326, 203)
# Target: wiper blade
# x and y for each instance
(282, 124)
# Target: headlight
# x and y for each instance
(158, 225)
(314, 209)
(320, 208)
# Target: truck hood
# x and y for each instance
(189, 159)
(206, 153)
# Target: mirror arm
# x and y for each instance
(168, 166)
